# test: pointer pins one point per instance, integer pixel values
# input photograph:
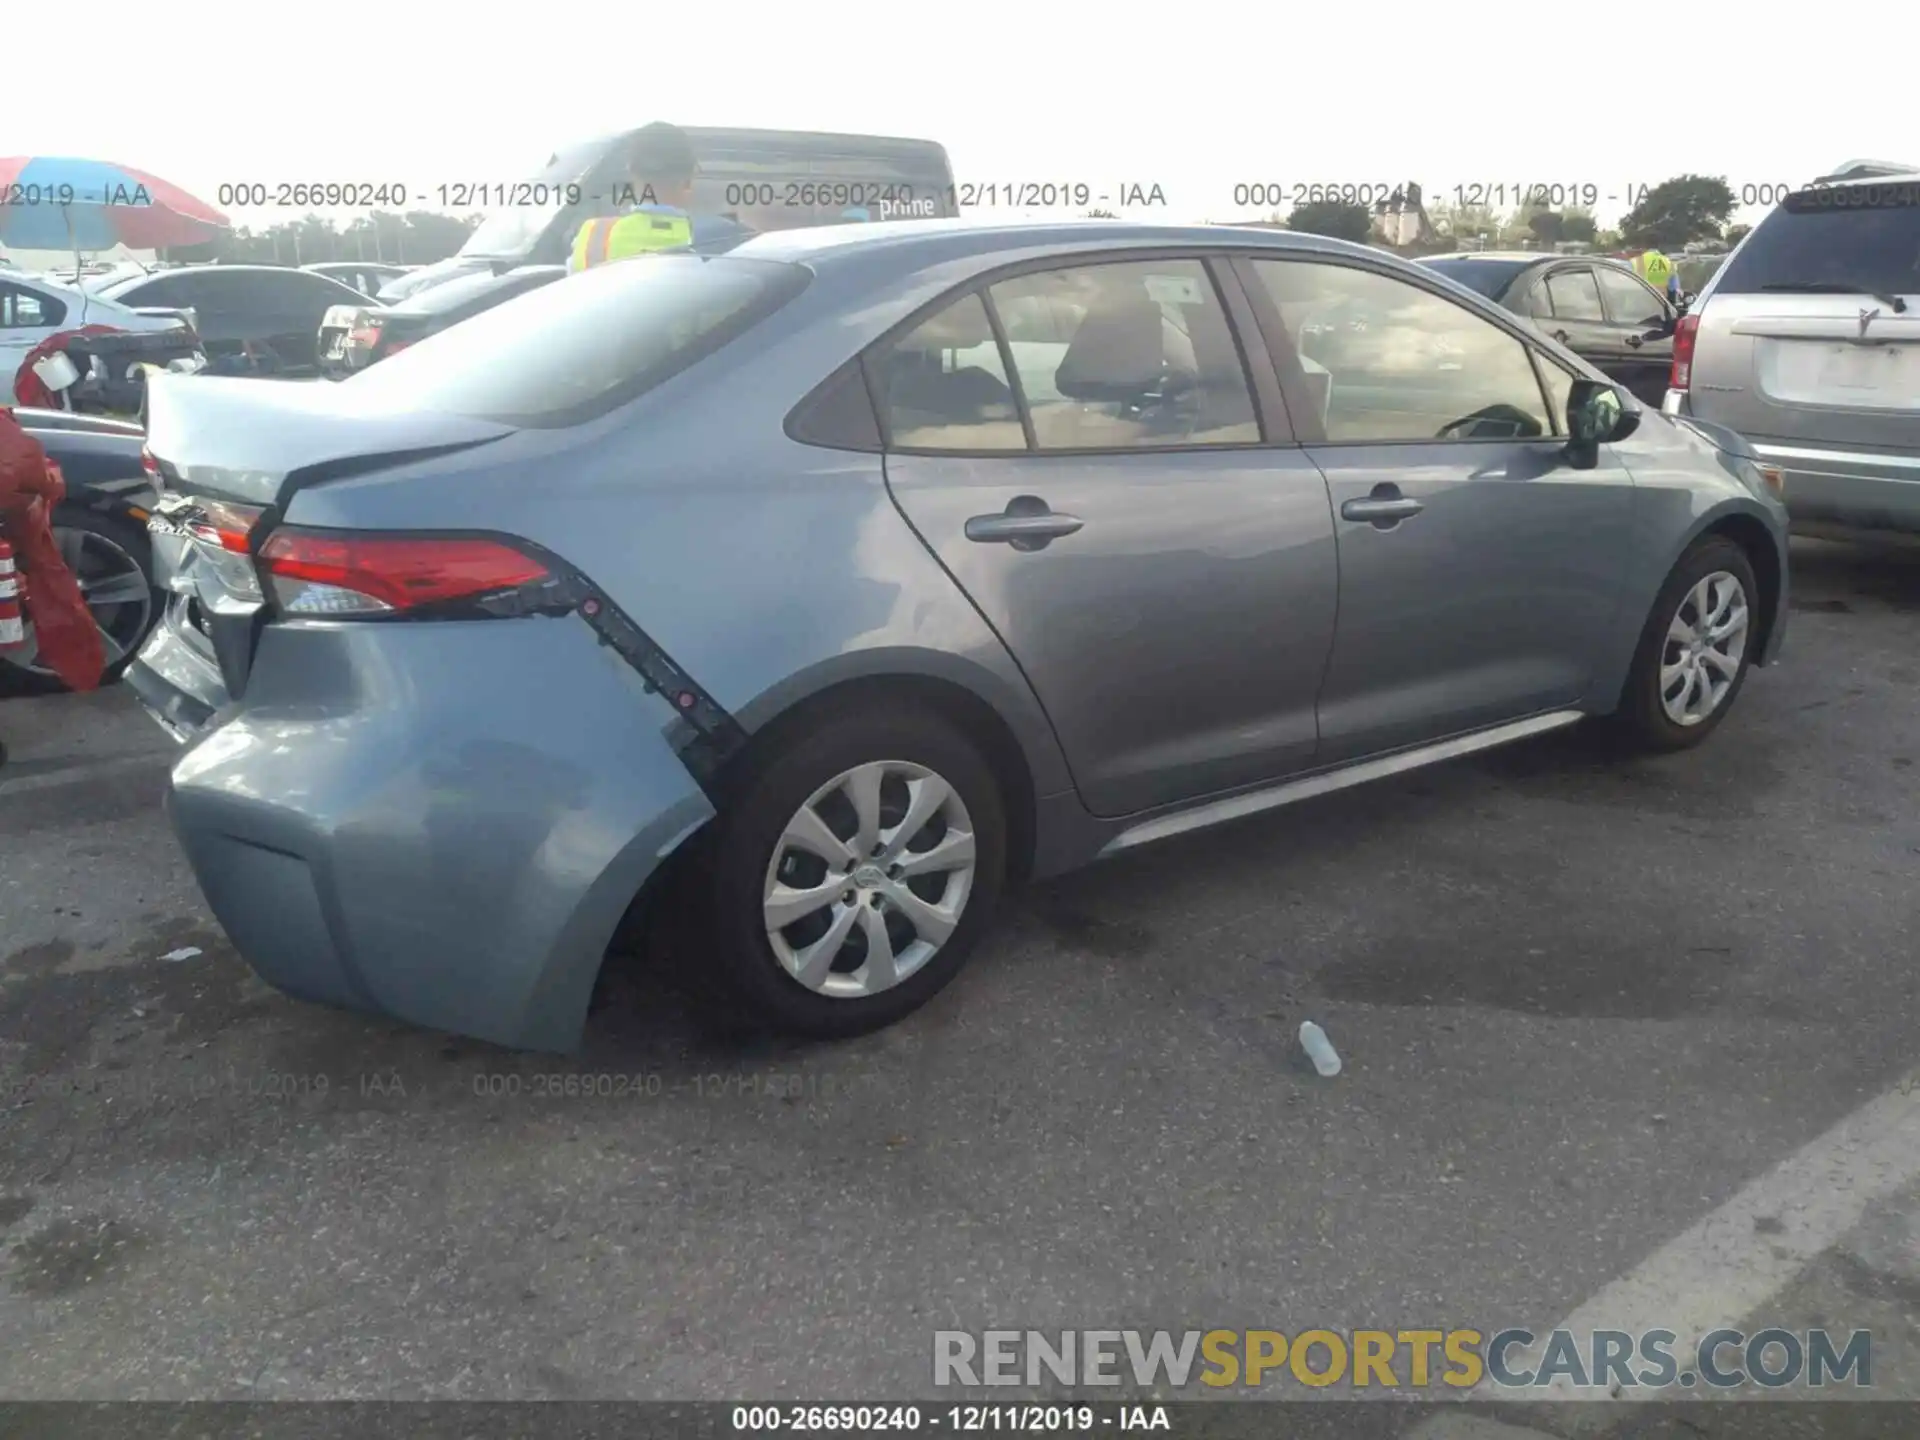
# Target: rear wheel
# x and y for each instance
(113, 562)
(1695, 651)
(854, 871)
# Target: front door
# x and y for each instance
(1100, 487)
(1642, 324)
(1479, 572)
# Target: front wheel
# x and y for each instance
(1695, 651)
(855, 870)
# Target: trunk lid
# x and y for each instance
(255, 442)
(1826, 369)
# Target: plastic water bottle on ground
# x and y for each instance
(1319, 1049)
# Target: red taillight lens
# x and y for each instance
(148, 463)
(226, 525)
(317, 573)
(1683, 335)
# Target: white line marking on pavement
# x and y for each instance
(1723, 1269)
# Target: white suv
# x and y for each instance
(1807, 342)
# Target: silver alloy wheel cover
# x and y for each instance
(1700, 658)
(866, 877)
(117, 591)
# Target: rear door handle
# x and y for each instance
(1392, 508)
(1026, 524)
(1635, 341)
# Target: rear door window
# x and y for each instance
(1125, 355)
(944, 386)
(1867, 246)
(573, 350)
(1574, 296)
(22, 309)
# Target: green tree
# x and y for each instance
(1340, 219)
(1735, 234)
(1547, 226)
(1576, 223)
(1457, 223)
(1678, 211)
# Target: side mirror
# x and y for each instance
(1596, 415)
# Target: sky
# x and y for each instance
(1489, 95)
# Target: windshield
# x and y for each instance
(1870, 249)
(1485, 277)
(567, 352)
(518, 214)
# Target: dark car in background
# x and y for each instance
(253, 319)
(366, 276)
(1598, 309)
(354, 337)
(101, 527)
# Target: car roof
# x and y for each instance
(1866, 172)
(131, 281)
(1521, 257)
(932, 240)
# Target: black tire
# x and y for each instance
(1641, 719)
(741, 847)
(128, 536)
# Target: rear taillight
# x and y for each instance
(367, 335)
(225, 525)
(318, 573)
(148, 463)
(1683, 336)
(222, 531)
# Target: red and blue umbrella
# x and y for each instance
(57, 202)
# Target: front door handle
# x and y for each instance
(1635, 341)
(1561, 336)
(1028, 523)
(1382, 508)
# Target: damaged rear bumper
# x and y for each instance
(439, 822)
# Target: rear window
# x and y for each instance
(577, 348)
(1486, 277)
(1863, 239)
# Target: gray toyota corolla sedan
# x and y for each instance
(877, 566)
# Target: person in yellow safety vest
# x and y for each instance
(655, 207)
(1658, 271)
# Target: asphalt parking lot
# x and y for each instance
(1583, 1002)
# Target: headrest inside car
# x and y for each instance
(1118, 352)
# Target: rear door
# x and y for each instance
(1641, 323)
(1104, 468)
(1578, 319)
(1479, 572)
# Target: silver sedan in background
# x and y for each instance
(850, 575)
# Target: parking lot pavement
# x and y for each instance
(1583, 1004)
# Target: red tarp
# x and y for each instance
(30, 486)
